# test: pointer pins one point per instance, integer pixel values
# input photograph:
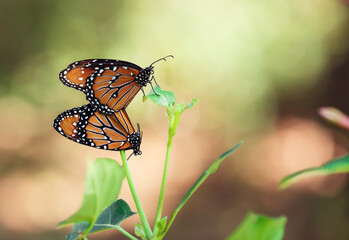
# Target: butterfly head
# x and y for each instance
(144, 76)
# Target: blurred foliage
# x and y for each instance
(335, 166)
(259, 227)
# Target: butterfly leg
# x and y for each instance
(143, 92)
(155, 81)
(154, 89)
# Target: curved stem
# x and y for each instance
(140, 210)
(163, 184)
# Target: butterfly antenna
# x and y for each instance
(164, 58)
(130, 156)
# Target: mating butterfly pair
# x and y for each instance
(109, 86)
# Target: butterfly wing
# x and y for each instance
(66, 123)
(107, 131)
(76, 73)
(112, 89)
(110, 85)
(87, 126)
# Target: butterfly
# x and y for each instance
(86, 125)
(108, 84)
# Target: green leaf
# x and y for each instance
(191, 104)
(78, 231)
(159, 229)
(339, 165)
(139, 231)
(161, 97)
(179, 108)
(161, 225)
(259, 227)
(111, 218)
(175, 117)
(102, 187)
(213, 167)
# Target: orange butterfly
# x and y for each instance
(85, 125)
(110, 85)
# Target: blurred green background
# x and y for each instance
(260, 69)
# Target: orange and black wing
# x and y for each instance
(110, 85)
(87, 126)
(112, 89)
(76, 73)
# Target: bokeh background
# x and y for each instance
(260, 68)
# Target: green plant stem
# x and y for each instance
(140, 210)
(127, 234)
(163, 184)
